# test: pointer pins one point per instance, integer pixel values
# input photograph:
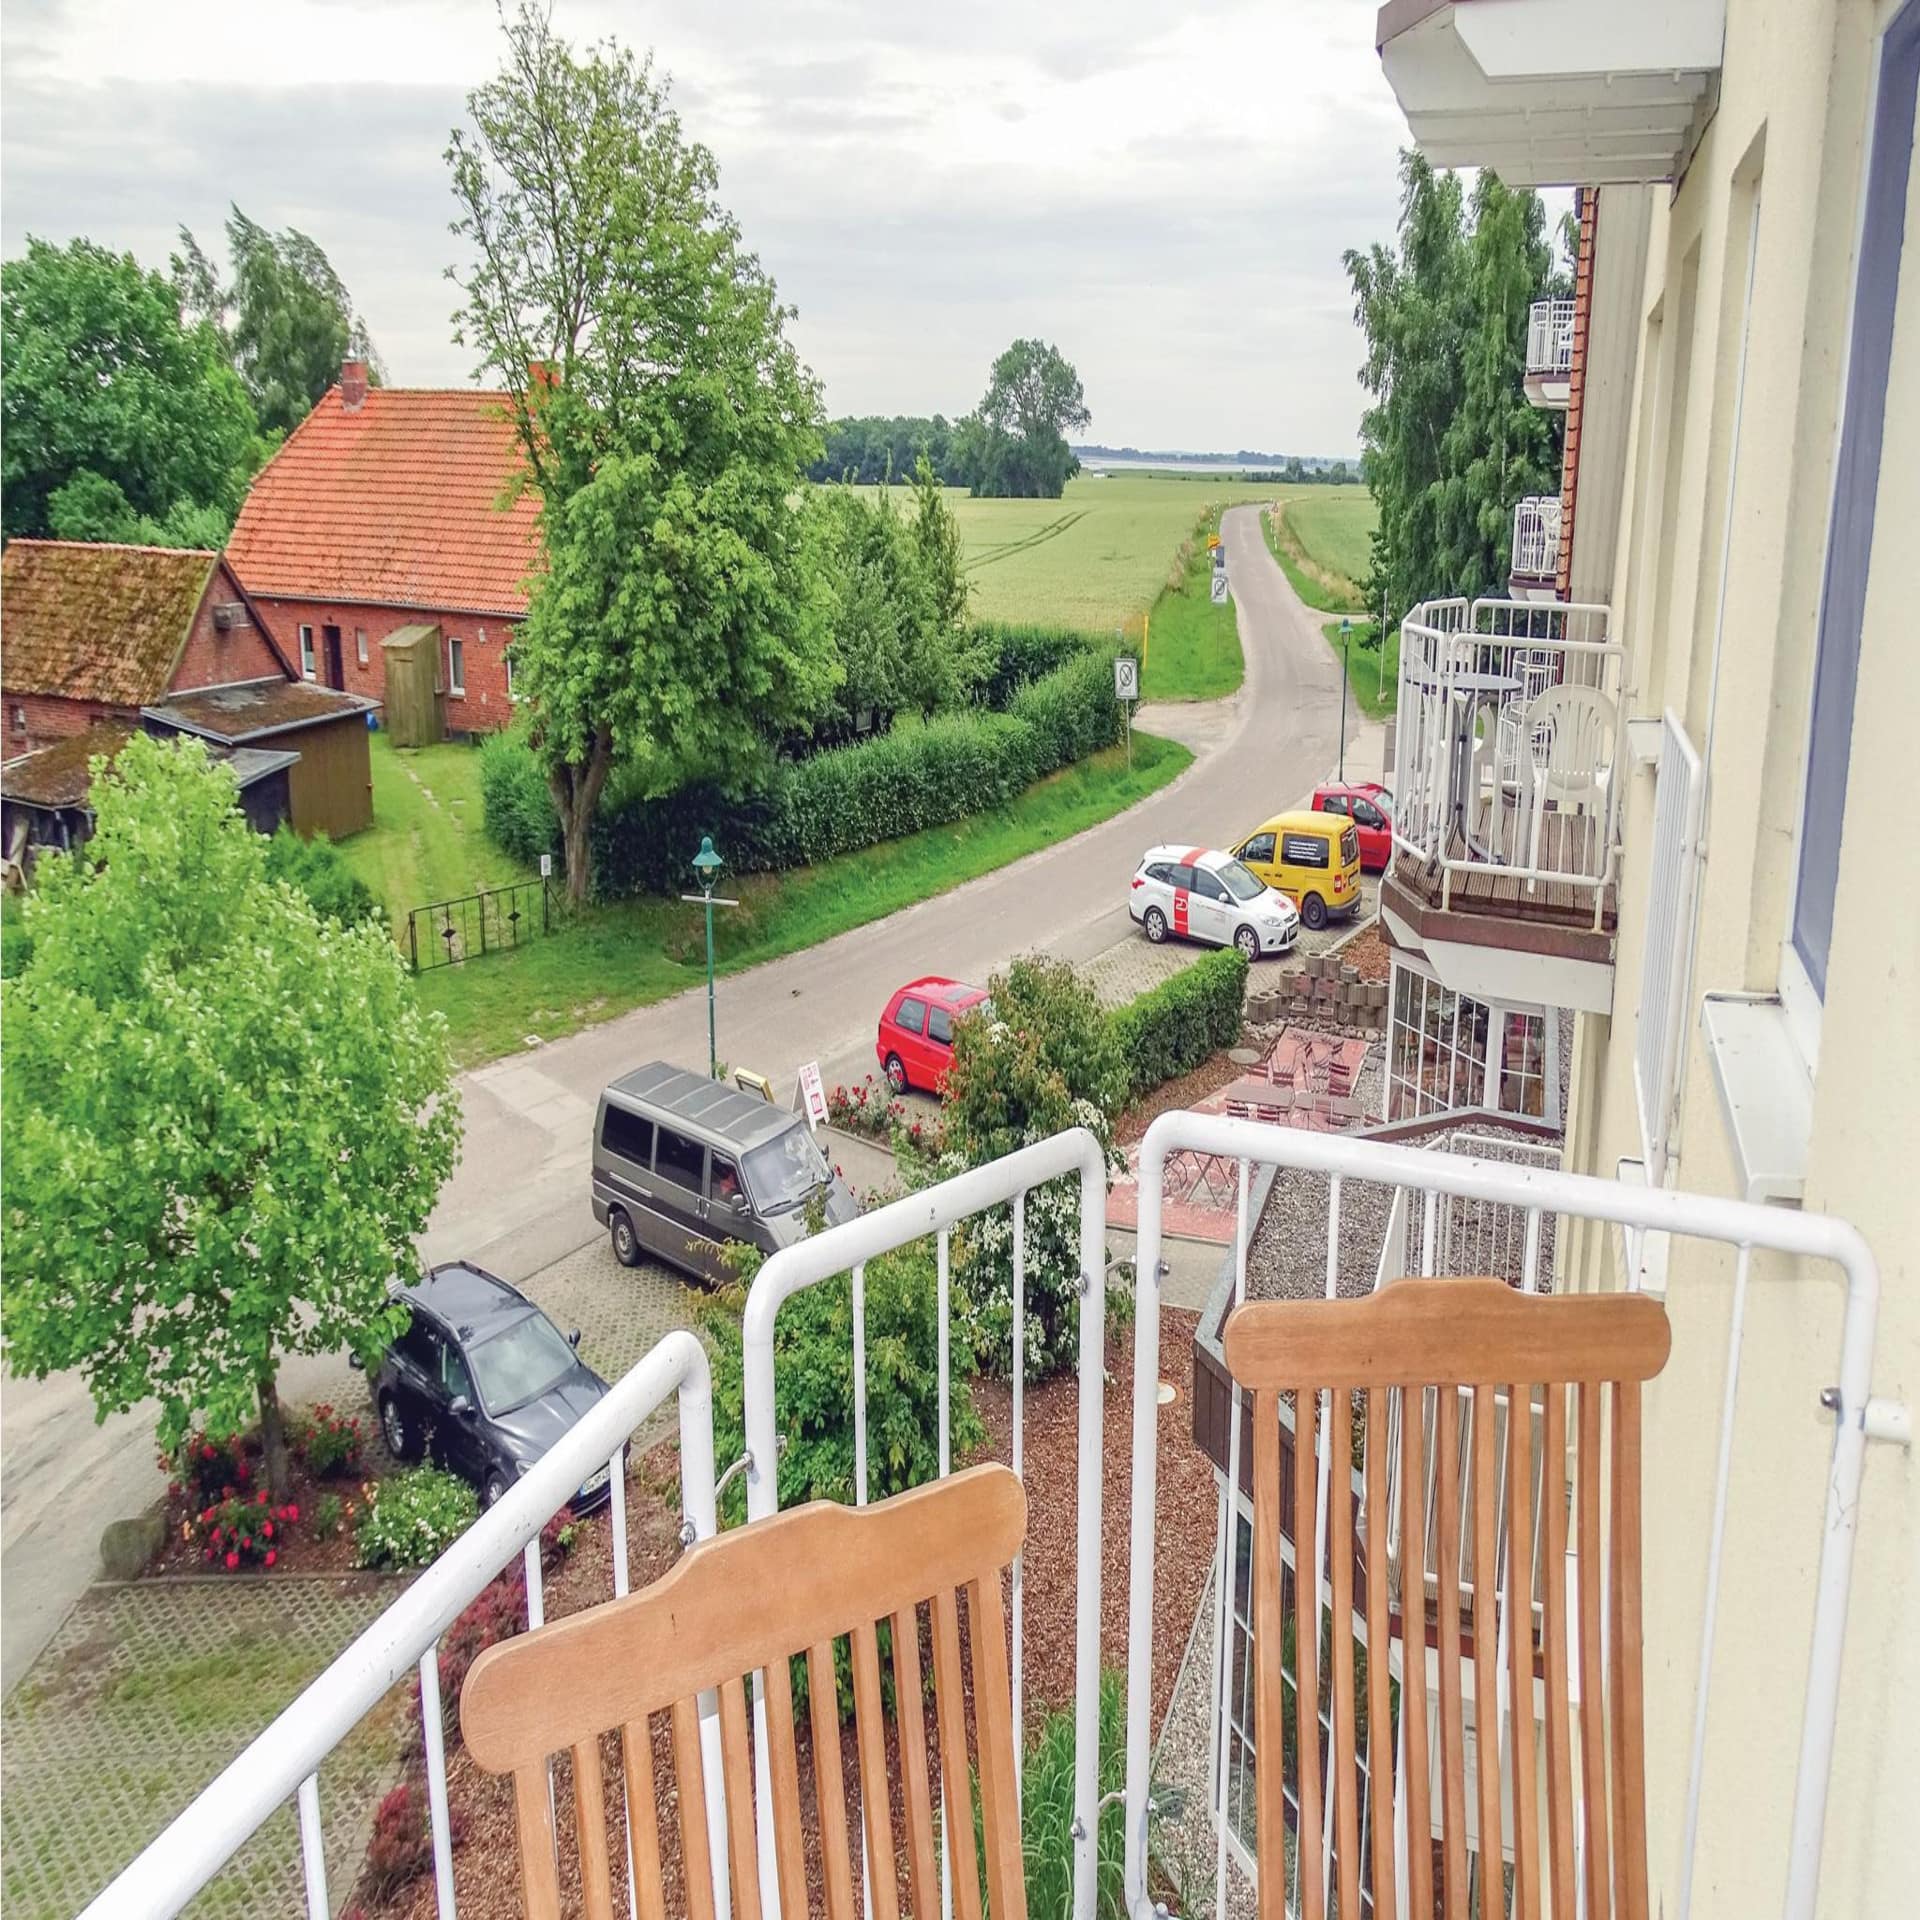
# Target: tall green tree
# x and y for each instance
(104, 378)
(224, 1118)
(1014, 444)
(664, 419)
(287, 316)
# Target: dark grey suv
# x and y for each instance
(482, 1382)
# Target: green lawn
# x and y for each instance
(428, 841)
(641, 951)
(1321, 545)
(1375, 683)
(1193, 647)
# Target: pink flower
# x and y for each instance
(233, 1560)
(272, 1556)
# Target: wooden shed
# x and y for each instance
(415, 700)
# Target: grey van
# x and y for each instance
(683, 1164)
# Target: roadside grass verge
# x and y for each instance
(1319, 585)
(1193, 647)
(640, 951)
(1375, 682)
(428, 840)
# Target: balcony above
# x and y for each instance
(1549, 375)
(1555, 92)
(1535, 564)
(1507, 791)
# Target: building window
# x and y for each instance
(306, 652)
(1437, 1050)
(19, 719)
(360, 645)
(456, 667)
(1843, 596)
(512, 691)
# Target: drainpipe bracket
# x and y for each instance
(1888, 1420)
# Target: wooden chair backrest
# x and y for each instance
(746, 1603)
(1448, 1336)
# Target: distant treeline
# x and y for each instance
(875, 449)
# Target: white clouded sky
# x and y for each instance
(1163, 189)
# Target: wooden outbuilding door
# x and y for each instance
(336, 672)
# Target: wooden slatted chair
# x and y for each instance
(1380, 1357)
(745, 1603)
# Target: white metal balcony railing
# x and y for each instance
(283, 1762)
(1509, 744)
(1536, 538)
(1550, 338)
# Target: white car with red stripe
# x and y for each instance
(1199, 893)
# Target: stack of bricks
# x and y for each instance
(1321, 988)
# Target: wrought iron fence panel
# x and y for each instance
(493, 920)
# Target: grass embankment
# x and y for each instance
(1375, 683)
(1193, 646)
(1321, 546)
(640, 951)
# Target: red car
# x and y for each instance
(915, 1045)
(1368, 805)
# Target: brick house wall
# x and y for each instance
(35, 720)
(215, 659)
(484, 707)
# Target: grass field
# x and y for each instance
(1193, 647)
(641, 951)
(1375, 684)
(1322, 545)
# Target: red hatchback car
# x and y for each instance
(915, 1044)
(1368, 805)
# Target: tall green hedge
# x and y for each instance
(1017, 654)
(1185, 1020)
(515, 799)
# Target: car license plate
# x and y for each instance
(594, 1481)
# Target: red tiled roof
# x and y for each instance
(395, 503)
(85, 620)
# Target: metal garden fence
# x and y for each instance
(493, 920)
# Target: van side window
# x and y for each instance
(940, 1025)
(723, 1180)
(1349, 848)
(1259, 847)
(627, 1135)
(679, 1159)
(912, 1017)
(1303, 850)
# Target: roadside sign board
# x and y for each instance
(1220, 587)
(546, 866)
(1213, 541)
(813, 1095)
(1126, 677)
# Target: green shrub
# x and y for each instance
(1014, 655)
(411, 1519)
(1071, 710)
(319, 869)
(515, 800)
(1184, 1021)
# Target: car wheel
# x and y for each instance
(1313, 910)
(1249, 943)
(1155, 924)
(626, 1243)
(896, 1073)
(400, 1438)
(495, 1490)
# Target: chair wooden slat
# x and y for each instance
(876, 1805)
(590, 1827)
(1561, 1813)
(1413, 1622)
(696, 1854)
(1344, 1779)
(829, 1782)
(1306, 1647)
(1269, 1629)
(1380, 1755)
(1593, 1702)
(539, 1871)
(993, 1727)
(643, 1821)
(1446, 1554)
(1629, 1705)
(1486, 1610)
(783, 1769)
(736, 1751)
(923, 1870)
(1526, 1809)
(949, 1700)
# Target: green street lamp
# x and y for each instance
(706, 865)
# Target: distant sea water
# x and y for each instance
(1102, 463)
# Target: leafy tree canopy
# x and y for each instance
(664, 416)
(287, 317)
(873, 450)
(105, 379)
(1015, 443)
(224, 1118)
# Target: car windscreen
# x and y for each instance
(1239, 882)
(784, 1171)
(520, 1363)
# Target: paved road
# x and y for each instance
(518, 1201)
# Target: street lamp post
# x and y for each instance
(707, 864)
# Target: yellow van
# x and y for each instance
(1313, 858)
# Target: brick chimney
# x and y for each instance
(353, 385)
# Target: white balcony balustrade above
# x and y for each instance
(1536, 539)
(1549, 375)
